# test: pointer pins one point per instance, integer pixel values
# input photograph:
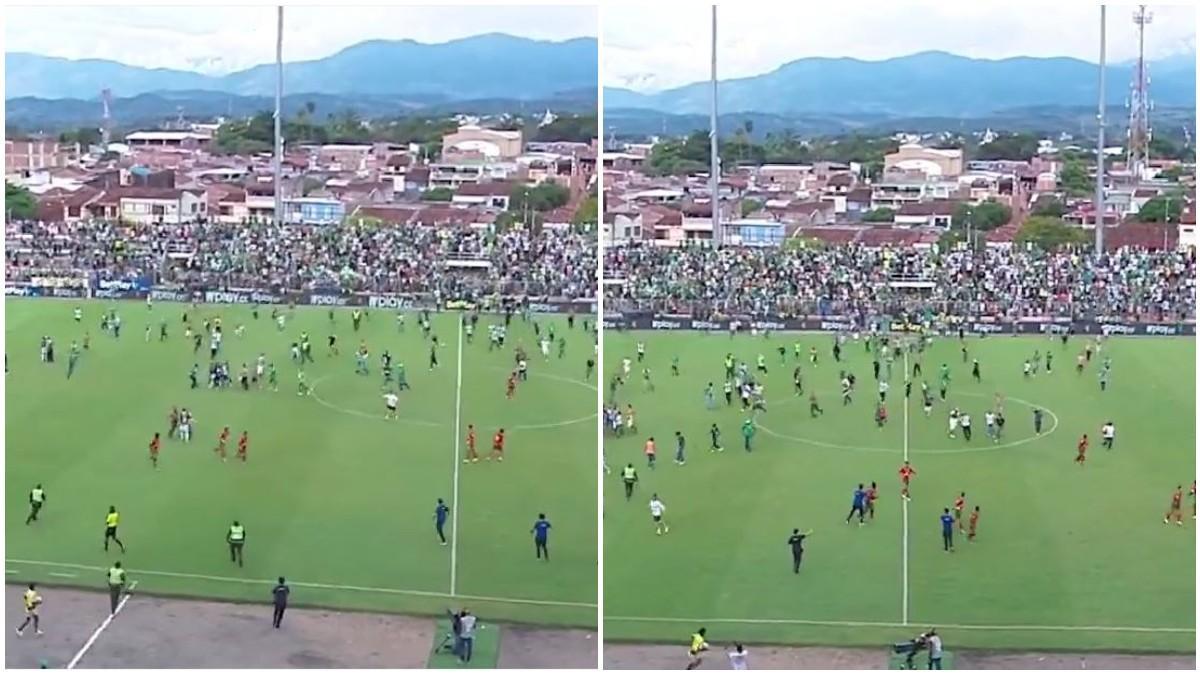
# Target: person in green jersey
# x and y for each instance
(748, 432)
(401, 378)
(301, 384)
(272, 377)
(675, 365)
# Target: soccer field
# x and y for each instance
(332, 496)
(1066, 557)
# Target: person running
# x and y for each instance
(657, 509)
(32, 600)
(37, 499)
(629, 478)
(111, 520)
(697, 649)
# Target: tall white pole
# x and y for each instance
(1100, 146)
(714, 168)
(279, 117)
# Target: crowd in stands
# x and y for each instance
(457, 263)
(1010, 283)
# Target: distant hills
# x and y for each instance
(492, 66)
(31, 114)
(640, 123)
(928, 84)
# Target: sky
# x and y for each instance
(657, 46)
(216, 40)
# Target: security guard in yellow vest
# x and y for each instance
(237, 539)
(116, 585)
(37, 499)
(629, 478)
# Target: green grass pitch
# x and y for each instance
(334, 497)
(1066, 557)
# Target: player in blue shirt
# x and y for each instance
(947, 531)
(859, 506)
(541, 533)
(439, 519)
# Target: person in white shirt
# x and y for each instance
(737, 657)
(1108, 432)
(935, 650)
(390, 399)
(657, 509)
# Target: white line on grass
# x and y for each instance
(456, 460)
(303, 584)
(904, 508)
(887, 624)
(68, 575)
(99, 629)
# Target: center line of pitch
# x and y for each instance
(455, 461)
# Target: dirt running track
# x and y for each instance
(152, 632)
(660, 657)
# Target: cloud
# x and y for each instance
(221, 39)
(656, 46)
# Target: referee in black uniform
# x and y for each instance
(796, 541)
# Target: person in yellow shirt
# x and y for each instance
(699, 646)
(33, 600)
(111, 520)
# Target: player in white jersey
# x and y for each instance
(1108, 434)
(390, 400)
(737, 657)
(953, 422)
(657, 509)
(626, 366)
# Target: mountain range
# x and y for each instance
(933, 84)
(490, 66)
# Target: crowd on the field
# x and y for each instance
(458, 263)
(1012, 283)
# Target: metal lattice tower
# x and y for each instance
(1139, 101)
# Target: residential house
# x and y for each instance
(471, 141)
(24, 156)
(313, 211)
(929, 161)
(939, 213)
(179, 140)
(493, 194)
(151, 205)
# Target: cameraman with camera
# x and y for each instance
(928, 640)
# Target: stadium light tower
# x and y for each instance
(1099, 201)
(714, 168)
(1139, 101)
(279, 116)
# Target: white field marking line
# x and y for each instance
(100, 629)
(932, 451)
(904, 508)
(309, 584)
(888, 624)
(455, 459)
(312, 392)
(8, 571)
(68, 575)
(426, 423)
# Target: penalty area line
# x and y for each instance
(892, 624)
(310, 584)
(100, 629)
